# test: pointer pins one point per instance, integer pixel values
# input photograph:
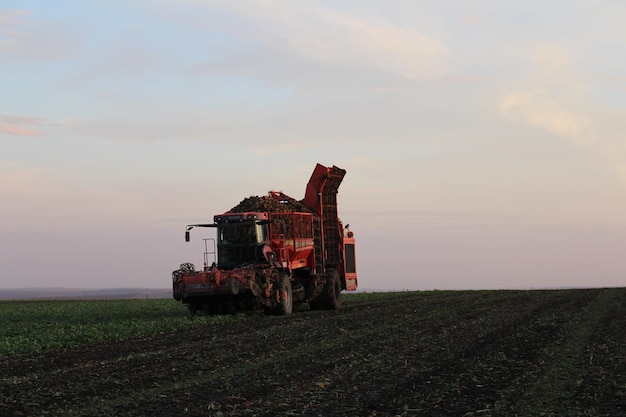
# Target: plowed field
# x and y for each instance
(448, 353)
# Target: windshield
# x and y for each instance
(240, 234)
(240, 243)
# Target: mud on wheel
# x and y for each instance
(330, 298)
(284, 297)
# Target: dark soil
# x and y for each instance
(467, 353)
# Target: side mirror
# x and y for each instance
(187, 236)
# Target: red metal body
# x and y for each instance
(278, 258)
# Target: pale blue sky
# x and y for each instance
(483, 139)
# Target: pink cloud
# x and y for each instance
(19, 125)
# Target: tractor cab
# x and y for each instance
(241, 239)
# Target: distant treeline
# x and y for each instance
(82, 293)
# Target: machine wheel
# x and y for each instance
(193, 309)
(330, 298)
(285, 297)
(333, 286)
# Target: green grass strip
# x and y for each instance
(38, 326)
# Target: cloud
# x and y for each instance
(47, 197)
(318, 33)
(471, 19)
(538, 108)
(562, 101)
(556, 101)
(283, 148)
(20, 182)
(24, 38)
(8, 129)
(10, 24)
(19, 125)
(37, 196)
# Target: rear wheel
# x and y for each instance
(330, 298)
(193, 308)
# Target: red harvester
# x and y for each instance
(274, 252)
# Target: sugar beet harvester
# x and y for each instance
(274, 252)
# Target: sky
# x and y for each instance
(483, 140)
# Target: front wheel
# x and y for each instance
(284, 297)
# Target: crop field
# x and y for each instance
(440, 353)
